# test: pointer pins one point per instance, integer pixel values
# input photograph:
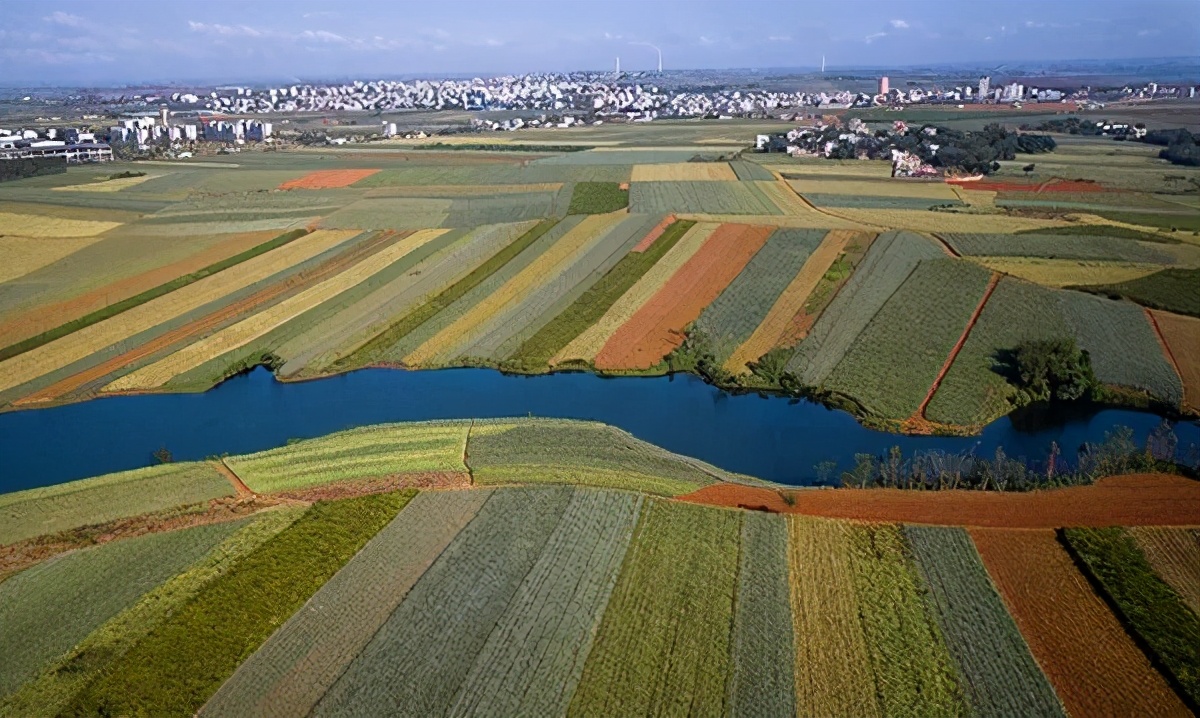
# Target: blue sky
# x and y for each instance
(149, 40)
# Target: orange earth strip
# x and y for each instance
(212, 321)
(1092, 663)
(657, 328)
(327, 179)
(1133, 500)
(47, 317)
(1180, 340)
(654, 234)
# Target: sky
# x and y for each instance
(132, 41)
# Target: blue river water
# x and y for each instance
(772, 438)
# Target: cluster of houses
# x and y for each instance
(72, 144)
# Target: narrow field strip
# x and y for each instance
(1174, 554)
(417, 661)
(826, 623)
(588, 344)
(1181, 337)
(534, 657)
(546, 268)
(683, 172)
(182, 661)
(69, 349)
(239, 334)
(44, 227)
(653, 235)
(328, 179)
(663, 646)
(762, 673)
(62, 680)
(300, 661)
(23, 255)
(209, 322)
(1001, 677)
(1092, 663)
(657, 327)
(49, 608)
(790, 302)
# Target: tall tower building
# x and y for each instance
(985, 83)
(883, 85)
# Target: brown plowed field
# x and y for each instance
(46, 317)
(657, 328)
(327, 179)
(1181, 338)
(210, 322)
(654, 234)
(1135, 500)
(1093, 665)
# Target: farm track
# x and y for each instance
(192, 330)
(239, 486)
(917, 423)
(1170, 355)
(1133, 500)
(945, 246)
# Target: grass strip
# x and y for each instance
(174, 669)
(448, 296)
(126, 304)
(50, 692)
(592, 305)
(598, 198)
(1167, 629)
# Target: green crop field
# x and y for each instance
(663, 646)
(892, 364)
(1173, 290)
(699, 197)
(598, 198)
(884, 202)
(1057, 247)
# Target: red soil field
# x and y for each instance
(657, 328)
(1179, 337)
(654, 234)
(1093, 665)
(327, 179)
(1133, 500)
(46, 317)
(211, 322)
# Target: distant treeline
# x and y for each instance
(31, 167)
(1181, 147)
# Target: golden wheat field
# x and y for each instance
(1067, 272)
(112, 185)
(22, 255)
(587, 345)
(684, 172)
(89, 340)
(826, 168)
(38, 226)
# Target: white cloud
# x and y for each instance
(706, 41)
(900, 24)
(225, 30)
(323, 36)
(873, 37)
(1147, 33)
(65, 18)
(319, 13)
(988, 38)
(779, 38)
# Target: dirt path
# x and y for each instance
(209, 322)
(1162, 340)
(1135, 500)
(949, 250)
(238, 485)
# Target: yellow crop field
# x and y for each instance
(545, 268)
(835, 168)
(790, 302)
(684, 172)
(22, 255)
(983, 199)
(247, 330)
(1066, 272)
(33, 225)
(585, 346)
(113, 185)
(89, 340)
(925, 221)
(875, 188)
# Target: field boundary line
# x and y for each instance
(819, 210)
(467, 452)
(238, 485)
(1162, 342)
(945, 245)
(993, 282)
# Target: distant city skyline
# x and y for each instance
(134, 41)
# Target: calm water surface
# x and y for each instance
(769, 437)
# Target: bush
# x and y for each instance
(1054, 370)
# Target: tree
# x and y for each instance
(1052, 370)
(1027, 169)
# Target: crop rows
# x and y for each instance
(1123, 347)
(1172, 290)
(663, 645)
(893, 362)
(534, 657)
(684, 172)
(300, 661)
(751, 171)
(374, 451)
(657, 327)
(1001, 677)
(762, 679)
(23, 255)
(1068, 272)
(1057, 247)
(181, 662)
(777, 323)
(598, 198)
(588, 344)
(887, 264)
(931, 191)
(62, 680)
(1145, 603)
(47, 609)
(1174, 553)
(1093, 665)
(925, 221)
(419, 658)
(44, 227)
(49, 510)
(736, 313)
(711, 197)
(822, 199)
